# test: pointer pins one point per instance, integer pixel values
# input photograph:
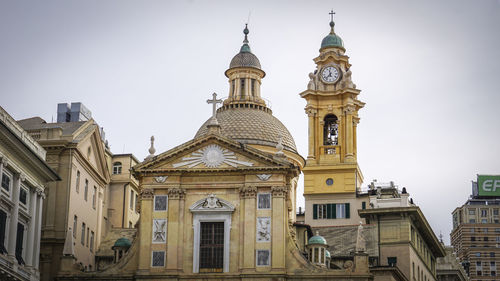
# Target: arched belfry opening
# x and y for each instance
(330, 130)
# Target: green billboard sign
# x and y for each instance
(488, 185)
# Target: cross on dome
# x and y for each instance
(214, 101)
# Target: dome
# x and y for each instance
(327, 253)
(245, 59)
(251, 126)
(332, 39)
(317, 239)
(122, 242)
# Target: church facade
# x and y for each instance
(222, 205)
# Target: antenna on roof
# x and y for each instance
(248, 19)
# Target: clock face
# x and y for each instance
(330, 74)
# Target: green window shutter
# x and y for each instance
(334, 211)
(363, 205)
(328, 211)
(315, 211)
(347, 210)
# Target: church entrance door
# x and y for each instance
(211, 246)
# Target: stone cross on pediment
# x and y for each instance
(214, 101)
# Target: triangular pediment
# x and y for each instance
(91, 149)
(212, 152)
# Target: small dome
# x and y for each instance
(328, 254)
(332, 39)
(245, 59)
(317, 239)
(122, 242)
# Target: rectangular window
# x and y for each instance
(82, 240)
(161, 202)
(392, 261)
(158, 259)
(23, 196)
(75, 221)
(484, 212)
(19, 243)
(473, 238)
(88, 232)
(472, 221)
(85, 192)
(6, 181)
(492, 254)
(472, 212)
(253, 86)
(91, 241)
(340, 211)
(94, 195)
(264, 201)
(77, 186)
(3, 229)
(242, 91)
(322, 211)
(263, 257)
(495, 212)
(363, 205)
(484, 220)
(131, 200)
(211, 246)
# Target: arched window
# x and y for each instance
(117, 168)
(330, 130)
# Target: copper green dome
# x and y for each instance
(328, 254)
(245, 58)
(122, 242)
(317, 239)
(332, 39)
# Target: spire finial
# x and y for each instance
(246, 31)
(151, 149)
(332, 23)
(245, 48)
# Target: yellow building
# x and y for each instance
(332, 176)
(222, 205)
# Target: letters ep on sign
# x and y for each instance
(488, 185)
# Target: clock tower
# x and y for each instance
(332, 177)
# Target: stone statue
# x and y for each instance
(347, 80)
(312, 84)
(360, 240)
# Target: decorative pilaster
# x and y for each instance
(349, 156)
(145, 229)
(248, 214)
(279, 225)
(311, 113)
(174, 236)
(36, 256)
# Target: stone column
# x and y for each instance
(174, 237)
(349, 157)
(248, 194)
(278, 250)
(145, 229)
(31, 228)
(14, 215)
(38, 237)
(311, 113)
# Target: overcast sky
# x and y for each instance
(428, 70)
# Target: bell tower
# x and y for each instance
(331, 170)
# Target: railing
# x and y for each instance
(330, 149)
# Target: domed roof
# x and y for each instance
(122, 242)
(251, 126)
(328, 254)
(245, 58)
(332, 39)
(317, 239)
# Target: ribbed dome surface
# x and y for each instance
(332, 40)
(317, 239)
(251, 126)
(245, 59)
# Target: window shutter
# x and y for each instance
(334, 211)
(328, 211)
(315, 211)
(3, 221)
(347, 210)
(363, 205)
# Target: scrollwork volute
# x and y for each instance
(279, 191)
(248, 192)
(176, 193)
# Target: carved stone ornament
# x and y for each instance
(211, 204)
(22, 177)
(212, 156)
(176, 193)
(159, 230)
(264, 177)
(279, 191)
(160, 179)
(263, 229)
(147, 193)
(248, 192)
(5, 162)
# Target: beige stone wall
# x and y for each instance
(355, 204)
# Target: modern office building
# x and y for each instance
(476, 229)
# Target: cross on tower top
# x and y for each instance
(214, 101)
(331, 13)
